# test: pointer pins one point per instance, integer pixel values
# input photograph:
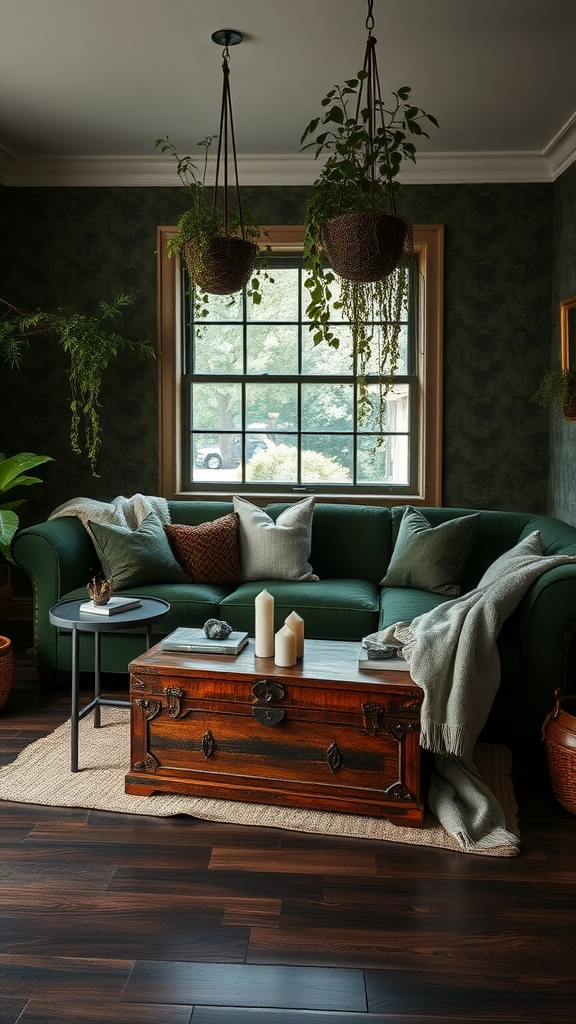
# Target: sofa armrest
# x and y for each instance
(58, 556)
(546, 624)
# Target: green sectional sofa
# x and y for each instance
(351, 549)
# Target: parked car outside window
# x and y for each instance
(210, 455)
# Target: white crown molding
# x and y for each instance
(561, 150)
(293, 168)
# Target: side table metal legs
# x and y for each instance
(98, 701)
(74, 703)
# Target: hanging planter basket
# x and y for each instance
(365, 247)
(224, 267)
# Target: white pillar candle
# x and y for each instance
(285, 647)
(264, 625)
(295, 622)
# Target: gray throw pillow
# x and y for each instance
(134, 558)
(275, 550)
(430, 558)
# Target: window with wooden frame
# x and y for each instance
(248, 404)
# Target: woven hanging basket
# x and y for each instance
(6, 669)
(225, 268)
(559, 735)
(364, 246)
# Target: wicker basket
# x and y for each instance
(559, 735)
(225, 268)
(6, 669)
(364, 246)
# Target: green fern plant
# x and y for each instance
(90, 346)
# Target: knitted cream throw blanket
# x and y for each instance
(121, 511)
(453, 656)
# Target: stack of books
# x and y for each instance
(195, 641)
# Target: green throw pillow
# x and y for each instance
(135, 558)
(430, 558)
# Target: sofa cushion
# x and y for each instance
(191, 604)
(134, 558)
(208, 553)
(275, 549)
(331, 609)
(430, 558)
(402, 604)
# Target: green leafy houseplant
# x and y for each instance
(14, 473)
(217, 244)
(90, 346)
(558, 387)
(352, 228)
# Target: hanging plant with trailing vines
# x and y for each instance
(353, 231)
(91, 347)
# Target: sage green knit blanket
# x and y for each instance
(452, 654)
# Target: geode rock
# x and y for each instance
(217, 629)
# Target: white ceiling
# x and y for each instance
(86, 86)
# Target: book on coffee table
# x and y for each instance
(112, 606)
(397, 664)
(195, 641)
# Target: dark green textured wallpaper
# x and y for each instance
(74, 246)
(562, 432)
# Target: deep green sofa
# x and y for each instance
(351, 549)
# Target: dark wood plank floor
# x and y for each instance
(122, 919)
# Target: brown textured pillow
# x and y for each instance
(208, 553)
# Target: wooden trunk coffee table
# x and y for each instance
(322, 734)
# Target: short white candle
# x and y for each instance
(295, 622)
(264, 625)
(285, 647)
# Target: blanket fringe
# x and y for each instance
(441, 738)
(499, 839)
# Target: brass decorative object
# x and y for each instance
(99, 589)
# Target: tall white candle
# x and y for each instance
(295, 622)
(285, 647)
(264, 625)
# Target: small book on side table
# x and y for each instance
(112, 606)
(195, 641)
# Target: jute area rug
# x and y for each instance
(41, 775)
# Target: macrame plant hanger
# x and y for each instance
(374, 107)
(226, 264)
(368, 247)
(227, 37)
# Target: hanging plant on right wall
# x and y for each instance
(352, 227)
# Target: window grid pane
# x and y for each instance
(264, 407)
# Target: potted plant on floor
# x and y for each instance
(558, 387)
(13, 473)
(352, 227)
(90, 345)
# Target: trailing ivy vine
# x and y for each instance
(91, 347)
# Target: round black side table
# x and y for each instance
(67, 615)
